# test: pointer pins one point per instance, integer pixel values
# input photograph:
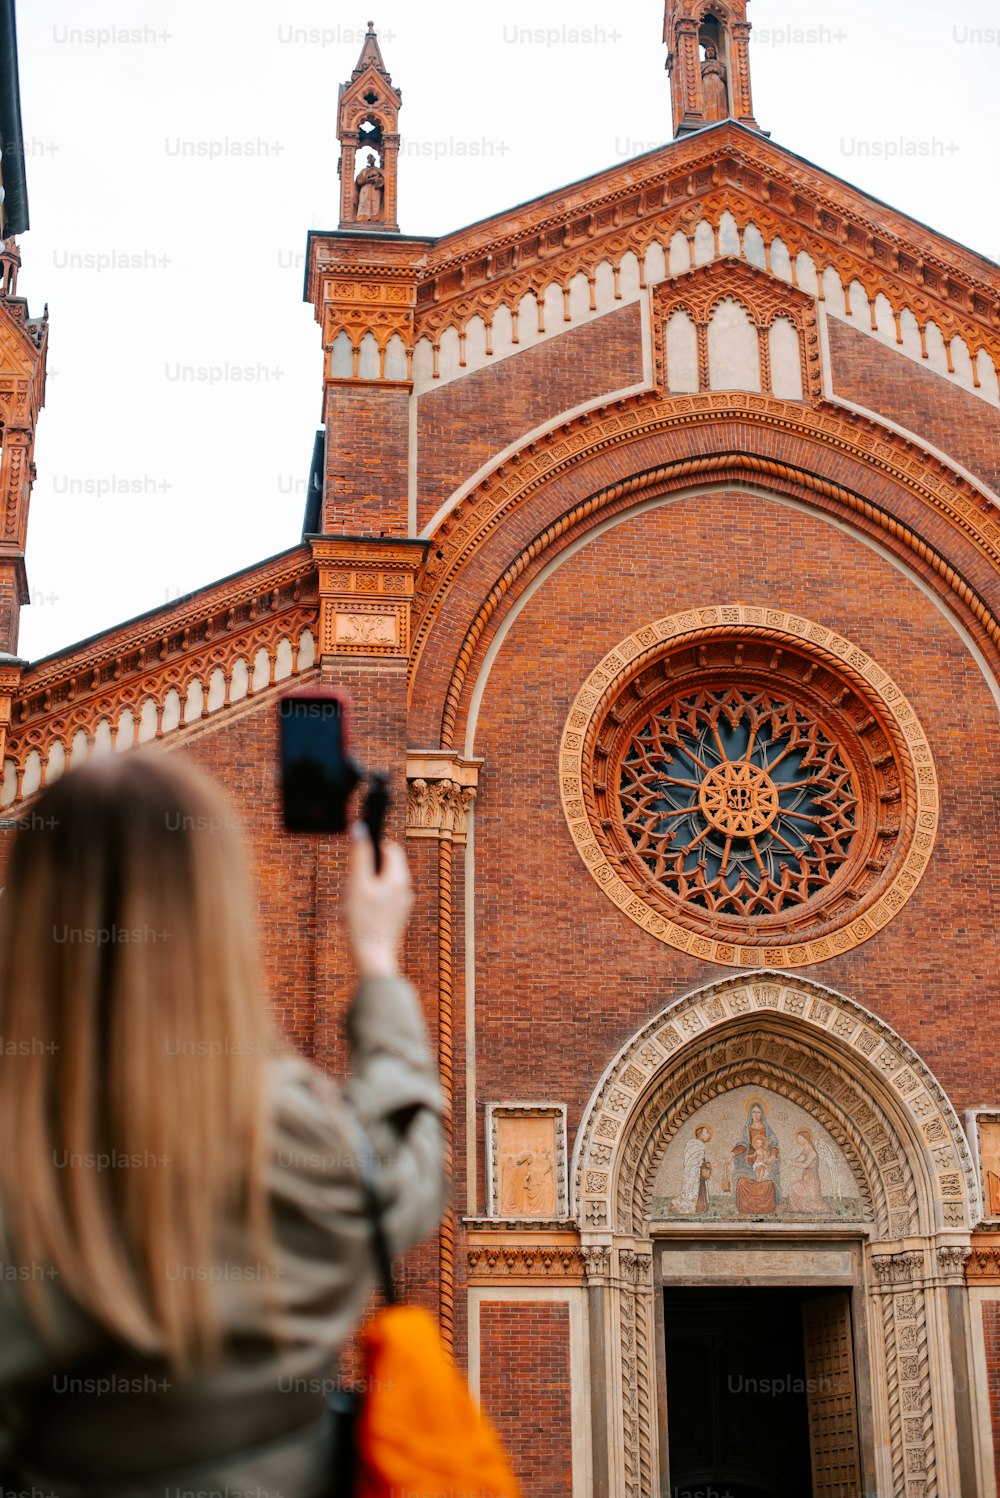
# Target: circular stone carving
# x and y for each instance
(749, 787)
(738, 799)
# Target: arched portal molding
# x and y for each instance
(873, 1092)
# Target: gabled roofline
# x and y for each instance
(717, 127)
(501, 222)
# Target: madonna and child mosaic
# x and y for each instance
(751, 1153)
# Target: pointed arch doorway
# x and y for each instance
(769, 1137)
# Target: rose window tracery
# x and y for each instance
(748, 786)
(737, 801)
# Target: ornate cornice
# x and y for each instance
(523, 1260)
(210, 612)
(366, 591)
(523, 1250)
(726, 169)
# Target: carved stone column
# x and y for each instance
(597, 1259)
(927, 1420)
(634, 1294)
(441, 788)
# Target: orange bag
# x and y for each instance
(419, 1430)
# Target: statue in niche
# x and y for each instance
(370, 183)
(713, 86)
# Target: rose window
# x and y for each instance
(748, 786)
(737, 801)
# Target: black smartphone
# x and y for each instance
(317, 772)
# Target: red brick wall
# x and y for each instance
(991, 1334)
(525, 1389)
(466, 422)
(563, 978)
(959, 423)
(367, 443)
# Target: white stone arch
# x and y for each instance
(148, 717)
(553, 314)
(368, 358)
(629, 276)
(579, 297)
(239, 679)
(753, 246)
(912, 1106)
(55, 764)
(655, 264)
(528, 330)
(704, 243)
(780, 259)
(729, 235)
(604, 287)
(502, 331)
(342, 358)
(805, 273)
(395, 358)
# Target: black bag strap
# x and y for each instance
(374, 1212)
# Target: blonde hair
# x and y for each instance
(132, 1074)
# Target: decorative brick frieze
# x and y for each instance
(365, 593)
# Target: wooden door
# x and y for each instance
(831, 1395)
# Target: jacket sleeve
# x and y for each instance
(396, 1099)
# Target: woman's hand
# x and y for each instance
(377, 905)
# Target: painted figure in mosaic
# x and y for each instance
(370, 183)
(713, 86)
(697, 1173)
(804, 1194)
(755, 1165)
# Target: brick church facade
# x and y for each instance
(654, 530)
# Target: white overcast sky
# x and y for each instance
(151, 484)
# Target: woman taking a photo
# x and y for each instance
(183, 1230)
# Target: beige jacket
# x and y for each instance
(90, 1419)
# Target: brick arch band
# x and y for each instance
(929, 516)
(888, 1112)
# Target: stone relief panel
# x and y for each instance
(527, 1161)
(984, 1130)
(751, 1153)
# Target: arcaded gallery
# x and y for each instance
(653, 527)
